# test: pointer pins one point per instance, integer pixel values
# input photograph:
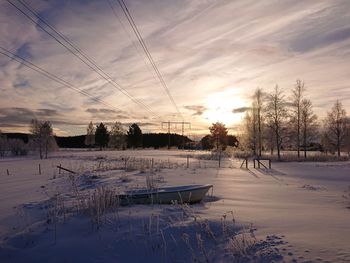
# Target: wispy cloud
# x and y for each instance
(198, 109)
(240, 110)
(244, 44)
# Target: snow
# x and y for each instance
(294, 212)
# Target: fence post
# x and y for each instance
(39, 169)
(220, 159)
(7, 171)
(246, 163)
(188, 161)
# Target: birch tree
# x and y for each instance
(117, 136)
(258, 106)
(297, 97)
(276, 114)
(308, 123)
(90, 135)
(337, 126)
(42, 137)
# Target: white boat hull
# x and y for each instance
(167, 195)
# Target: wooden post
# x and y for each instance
(7, 170)
(246, 163)
(254, 163)
(270, 163)
(39, 169)
(65, 169)
(259, 163)
(125, 164)
(220, 159)
(188, 161)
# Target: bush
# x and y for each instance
(3, 146)
(17, 147)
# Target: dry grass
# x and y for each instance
(99, 202)
(346, 197)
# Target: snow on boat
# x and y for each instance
(166, 195)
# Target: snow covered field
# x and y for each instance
(294, 212)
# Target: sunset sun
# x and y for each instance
(220, 109)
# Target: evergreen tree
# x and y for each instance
(101, 135)
(134, 136)
(207, 142)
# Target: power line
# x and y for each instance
(53, 77)
(76, 51)
(115, 13)
(183, 123)
(148, 54)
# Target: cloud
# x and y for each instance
(240, 110)
(102, 110)
(19, 117)
(198, 109)
(245, 44)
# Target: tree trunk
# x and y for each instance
(40, 150)
(278, 146)
(338, 144)
(46, 149)
(298, 132)
(305, 143)
(259, 132)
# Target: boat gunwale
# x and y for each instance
(157, 192)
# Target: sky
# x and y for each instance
(211, 54)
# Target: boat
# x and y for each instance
(166, 195)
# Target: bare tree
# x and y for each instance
(308, 123)
(117, 136)
(48, 139)
(297, 97)
(276, 114)
(270, 138)
(248, 138)
(42, 137)
(258, 106)
(36, 136)
(90, 135)
(337, 125)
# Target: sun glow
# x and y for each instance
(220, 108)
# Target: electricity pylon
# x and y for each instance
(183, 123)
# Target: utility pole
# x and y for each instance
(183, 123)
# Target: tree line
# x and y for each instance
(116, 138)
(41, 139)
(275, 121)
